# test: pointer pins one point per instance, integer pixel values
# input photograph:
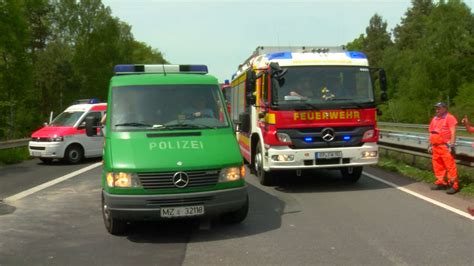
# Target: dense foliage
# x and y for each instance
(428, 57)
(53, 52)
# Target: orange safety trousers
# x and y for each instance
(443, 162)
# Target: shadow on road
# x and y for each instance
(264, 215)
(323, 180)
(61, 162)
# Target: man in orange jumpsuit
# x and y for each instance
(443, 138)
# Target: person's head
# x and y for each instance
(441, 108)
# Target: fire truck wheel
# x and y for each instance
(46, 160)
(351, 174)
(265, 178)
(113, 226)
(237, 216)
(74, 154)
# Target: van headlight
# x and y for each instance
(232, 174)
(121, 179)
(56, 139)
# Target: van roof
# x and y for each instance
(87, 107)
(161, 79)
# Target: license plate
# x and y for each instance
(36, 153)
(171, 212)
(329, 155)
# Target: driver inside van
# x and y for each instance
(199, 108)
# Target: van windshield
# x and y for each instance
(66, 119)
(166, 107)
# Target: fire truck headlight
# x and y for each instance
(121, 179)
(283, 158)
(369, 154)
(283, 137)
(232, 174)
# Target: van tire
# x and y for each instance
(74, 154)
(265, 178)
(46, 160)
(237, 216)
(113, 226)
(351, 174)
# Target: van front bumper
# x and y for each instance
(46, 149)
(148, 207)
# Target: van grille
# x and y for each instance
(202, 178)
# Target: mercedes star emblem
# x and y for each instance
(328, 134)
(180, 179)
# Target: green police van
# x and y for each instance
(170, 150)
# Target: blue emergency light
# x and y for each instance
(165, 69)
(308, 139)
(281, 55)
(356, 55)
(346, 138)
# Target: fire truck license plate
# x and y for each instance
(182, 211)
(329, 155)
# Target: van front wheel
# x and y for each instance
(237, 216)
(74, 154)
(113, 226)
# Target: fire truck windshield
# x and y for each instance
(325, 86)
(66, 119)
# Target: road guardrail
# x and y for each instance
(16, 143)
(417, 144)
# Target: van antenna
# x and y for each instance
(164, 71)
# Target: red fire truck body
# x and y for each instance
(306, 107)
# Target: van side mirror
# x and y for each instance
(91, 126)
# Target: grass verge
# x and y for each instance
(419, 169)
(14, 155)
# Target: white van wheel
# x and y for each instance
(74, 154)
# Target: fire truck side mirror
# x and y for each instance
(251, 99)
(383, 85)
(91, 125)
(244, 122)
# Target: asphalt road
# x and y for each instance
(312, 220)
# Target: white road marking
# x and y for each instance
(50, 183)
(432, 201)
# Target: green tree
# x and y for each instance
(14, 65)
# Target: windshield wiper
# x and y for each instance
(178, 126)
(133, 124)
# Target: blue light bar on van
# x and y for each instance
(282, 55)
(135, 69)
(356, 55)
(94, 100)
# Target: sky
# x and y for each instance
(223, 33)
